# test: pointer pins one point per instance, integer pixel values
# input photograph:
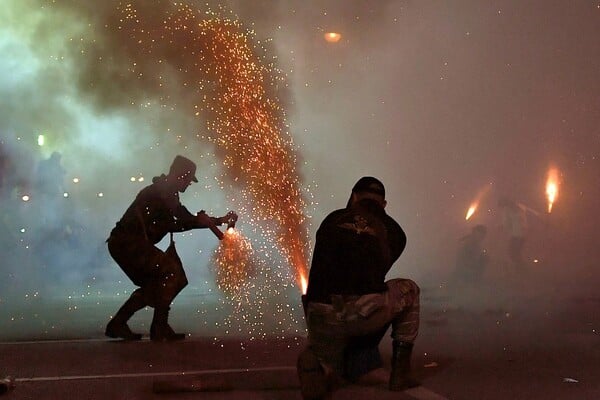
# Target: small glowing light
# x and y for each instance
(75, 180)
(41, 140)
(100, 194)
(132, 179)
(536, 260)
(141, 179)
(22, 230)
(65, 194)
(25, 198)
(230, 230)
(332, 37)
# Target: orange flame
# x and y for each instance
(552, 188)
(303, 283)
(471, 210)
(475, 204)
(332, 37)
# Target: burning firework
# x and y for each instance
(552, 183)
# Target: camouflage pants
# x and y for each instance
(332, 328)
(159, 274)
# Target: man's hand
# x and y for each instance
(230, 219)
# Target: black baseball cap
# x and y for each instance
(369, 184)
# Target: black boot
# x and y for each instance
(400, 378)
(117, 326)
(160, 330)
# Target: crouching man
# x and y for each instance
(349, 306)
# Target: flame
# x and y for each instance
(471, 210)
(475, 204)
(552, 188)
(303, 283)
(332, 37)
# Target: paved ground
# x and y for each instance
(539, 344)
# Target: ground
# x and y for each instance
(496, 341)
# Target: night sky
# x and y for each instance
(445, 102)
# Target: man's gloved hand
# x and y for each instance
(230, 219)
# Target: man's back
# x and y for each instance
(354, 250)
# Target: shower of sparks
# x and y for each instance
(234, 263)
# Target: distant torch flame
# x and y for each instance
(332, 37)
(471, 211)
(552, 188)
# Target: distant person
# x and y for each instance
(349, 304)
(514, 223)
(472, 258)
(50, 177)
(155, 212)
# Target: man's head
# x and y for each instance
(368, 187)
(183, 171)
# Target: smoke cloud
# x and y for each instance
(438, 101)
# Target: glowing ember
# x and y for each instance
(552, 187)
(332, 37)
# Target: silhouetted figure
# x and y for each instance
(349, 306)
(471, 258)
(155, 212)
(50, 176)
(514, 222)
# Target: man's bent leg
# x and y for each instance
(312, 376)
(403, 297)
(117, 327)
(170, 282)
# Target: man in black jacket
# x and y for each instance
(349, 305)
(159, 274)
